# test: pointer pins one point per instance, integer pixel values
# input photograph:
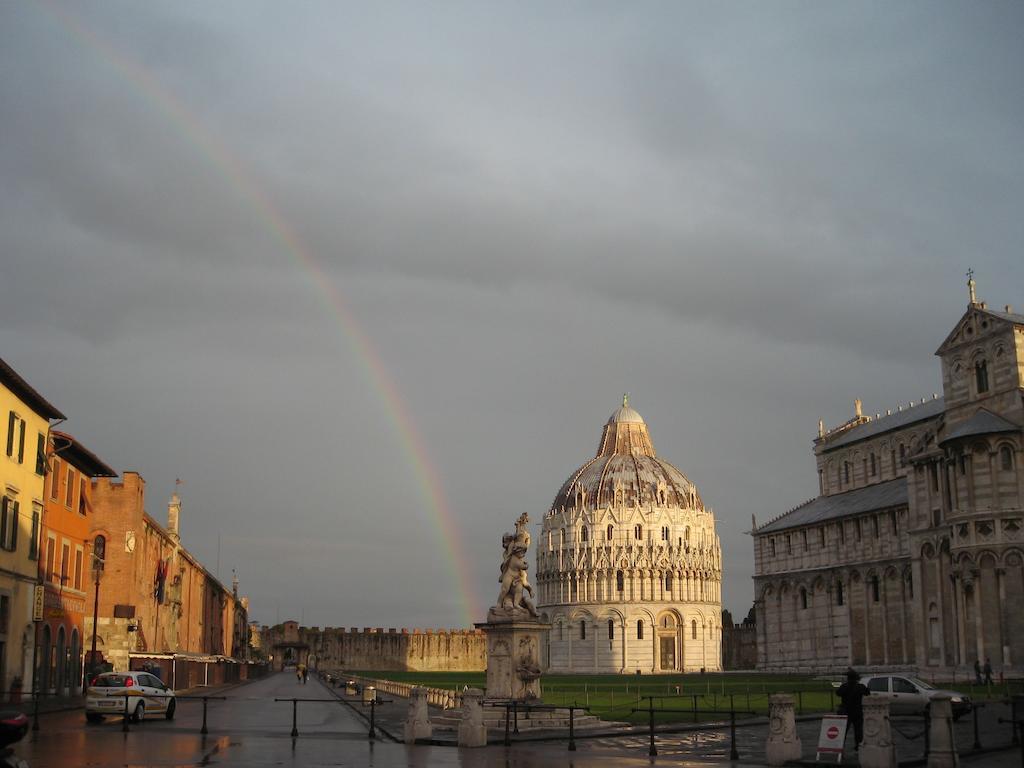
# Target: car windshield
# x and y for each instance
(921, 683)
(112, 681)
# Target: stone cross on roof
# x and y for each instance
(971, 285)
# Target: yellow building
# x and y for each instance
(24, 423)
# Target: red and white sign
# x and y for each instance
(833, 736)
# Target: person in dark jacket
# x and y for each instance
(851, 694)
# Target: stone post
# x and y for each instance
(417, 721)
(783, 741)
(877, 749)
(369, 694)
(472, 731)
(942, 746)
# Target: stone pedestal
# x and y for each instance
(877, 749)
(417, 721)
(941, 746)
(472, 731)
(783, 742)
(514, 642)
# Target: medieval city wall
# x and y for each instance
(412, 650)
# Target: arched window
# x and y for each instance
(686, 536)
(668, 582)
(803, 598)
(664, 533)
(981, 375)
(583, 629)
(903, 455)
(561, 538)
(611, 629)
(638, 532)
(839, 593)
(619, 581)
(640, 629)
(874, 589)
(609, 533)
(874, 468)
(846, 472)
(1006, 458)
(693, 629)
(583, 533)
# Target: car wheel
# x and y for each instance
(140, 713)
(92, 717)
(170, 710)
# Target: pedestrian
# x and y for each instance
(851, 694)
(988, 671)
(977, 672)
(305, 675)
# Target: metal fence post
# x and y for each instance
(508, 714)
(515, 716)
(124, 725)
(694, 697)
(203, 730)
(373, 717)
(653, 750)
(295, 718)
(733, 752)
(977, 739)
(572, 729)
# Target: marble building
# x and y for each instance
(629, 567)
(912, 555)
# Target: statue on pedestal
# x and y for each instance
(512, 598)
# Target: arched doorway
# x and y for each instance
(668, 642)
(75, 681)
(60, 661)
(44, 661)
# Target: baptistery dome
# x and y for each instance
(628, 553)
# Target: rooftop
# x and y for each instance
(892, 493)
(13, 381)
(927, 410)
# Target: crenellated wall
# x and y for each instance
(415, 650)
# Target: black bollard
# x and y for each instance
(35, 711)
(203, 730)
(508, 737)
(373, 717)
(733, 752)
(124, 725)
(572, 729)
(694, 709)
(515, 717)
(927, 732)
(653, 751)
(295, 719)
(977, 739)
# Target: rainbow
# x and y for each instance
(230, 168)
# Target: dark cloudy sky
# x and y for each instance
(745, 214)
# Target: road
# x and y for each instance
(249, 728)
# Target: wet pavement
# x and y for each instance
(249, 728)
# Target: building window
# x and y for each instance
(41, 454)
(874, 466)
(8, 524)
(821, 534)
(611, 629)
(83, 500)
(55, 479)
(963, 464)
(903, 455)
(609, 533)
(1006, 458)
(693, 629)
(668, 582)
(583, 629)
(981, 376)
(638, 532)
(874, 589)
(874, 525)
(51, 557)
(79, 556)
(839, 593)
(12, 420)
(856, 528)
(892, 460)
(16, 427)
(803, 598)
(69, 491)
(846, 472)
(771, 543)
(789, 544)
(640, 629)
(821, 482)
(803, 534)
(664, 533)
(895, 521)
(583, 534)
(842, 532)
(65, 563)
(619, 581)
(33, 544)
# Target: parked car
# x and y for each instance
(145, 694)
(911, 696)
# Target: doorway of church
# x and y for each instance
(668, 652)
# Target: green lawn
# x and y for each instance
(613, 697)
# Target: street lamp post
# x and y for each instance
(99, 551)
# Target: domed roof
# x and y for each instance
(626, 472)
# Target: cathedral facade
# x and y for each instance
(912, 555)
(628, 564)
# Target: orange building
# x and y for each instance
(155, 598)
(64, 565)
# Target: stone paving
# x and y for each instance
(251, 729)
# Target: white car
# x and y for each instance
(144, 693)
(910, 696)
